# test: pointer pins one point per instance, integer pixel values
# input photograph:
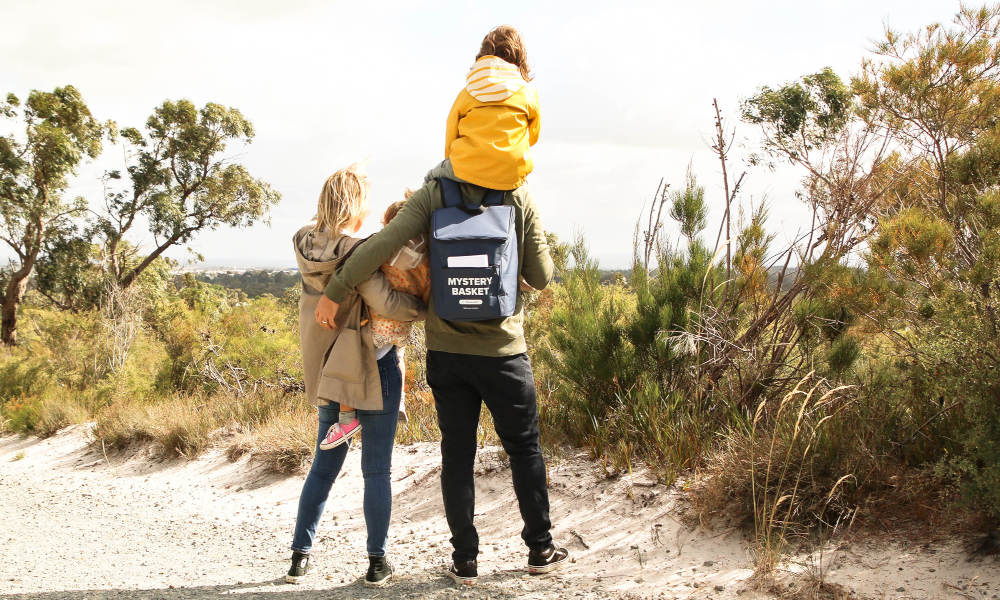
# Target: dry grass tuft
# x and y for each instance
(44, 414)
(179, 425)
(57, 414)
(769, 468)
(421, 419)
(283, 444)
(187, 425)
(808, 588)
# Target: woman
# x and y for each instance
(374, 389)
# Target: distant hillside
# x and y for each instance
(254, 282)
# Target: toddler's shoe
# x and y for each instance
(339, 434)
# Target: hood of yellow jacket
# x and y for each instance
(493, 79)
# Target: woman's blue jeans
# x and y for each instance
(378, 429)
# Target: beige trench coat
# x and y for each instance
(317, 255)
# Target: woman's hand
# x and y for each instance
(326, 312)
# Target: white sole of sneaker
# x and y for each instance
(340, 442)
(378, 584)
(546, 569)
(462, 580)
(293, 578)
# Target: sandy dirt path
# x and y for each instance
(75, 524)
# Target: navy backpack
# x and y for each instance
(474, 269)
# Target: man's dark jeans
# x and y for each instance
(461, 383)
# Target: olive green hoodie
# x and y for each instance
(497, 337)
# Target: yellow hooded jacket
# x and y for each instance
(492, 126)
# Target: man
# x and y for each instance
(469, 363)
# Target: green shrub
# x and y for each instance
(844, 351)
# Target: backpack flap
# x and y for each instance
(494, 223)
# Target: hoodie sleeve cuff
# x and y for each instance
(335, 290)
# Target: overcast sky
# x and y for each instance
(625, 89)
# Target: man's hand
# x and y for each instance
(326, 312)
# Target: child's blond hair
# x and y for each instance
(394, 208)
(343, 199)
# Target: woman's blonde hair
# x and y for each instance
(343, 199)
(505, 42)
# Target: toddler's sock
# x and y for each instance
(346, 416)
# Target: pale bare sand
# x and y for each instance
(75, 524)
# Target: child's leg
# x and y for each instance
(344, 428)
(347, 414)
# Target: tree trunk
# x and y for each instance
(11, 299)
(132, 275)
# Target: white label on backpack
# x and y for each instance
(463, 287)
(474, 261)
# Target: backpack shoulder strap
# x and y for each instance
(341, 260)
(494, 198)
(450, 194)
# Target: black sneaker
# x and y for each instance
(546, 560)
(300, 566)
(379, 571)
(464, 572)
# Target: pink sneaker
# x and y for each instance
(339, 434)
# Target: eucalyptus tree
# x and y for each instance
(180, 181)
(49, 135)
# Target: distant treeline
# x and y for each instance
(613, 275)
(623, 275)
(253, 283)
(257, 282)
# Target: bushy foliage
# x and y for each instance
(621, 353)
(663, 364)
(45, 140)
(813, 108)
(155, 362)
